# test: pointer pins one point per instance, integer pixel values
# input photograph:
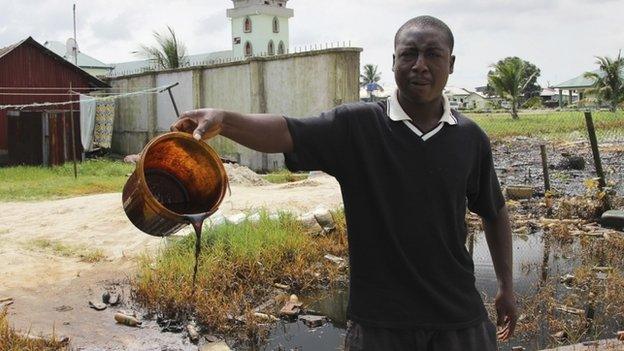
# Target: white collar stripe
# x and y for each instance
(396, 113)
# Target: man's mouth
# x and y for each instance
(420, 82)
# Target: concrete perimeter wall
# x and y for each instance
(297, 85)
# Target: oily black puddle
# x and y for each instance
(536, 261)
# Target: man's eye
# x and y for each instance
(433, 54)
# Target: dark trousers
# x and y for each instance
(481, 337)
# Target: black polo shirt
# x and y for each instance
(405, 200)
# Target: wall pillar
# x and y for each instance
(152, 110)
(198, 88)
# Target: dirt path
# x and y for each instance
(41, 244)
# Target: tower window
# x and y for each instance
(280, 48)
(248, 49)
(276, 25)
(271, 49)
(247, 25)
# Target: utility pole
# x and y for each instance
(75, 48)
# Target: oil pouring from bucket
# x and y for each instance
(177, 181)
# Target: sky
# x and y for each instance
(561, 37)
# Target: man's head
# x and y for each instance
(423, 58)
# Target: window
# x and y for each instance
(248, 49)
(271, 49)
(247, 25)
(280, 48)
(275, 25)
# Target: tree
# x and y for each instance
(168, 54)
(609, 84)
(369, 79)
(531, 90)
(510, 78)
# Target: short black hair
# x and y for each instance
(430, 22)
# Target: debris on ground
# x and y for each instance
(311, 225)
(266, 317)
(169, 325)
(132, 159)
(560, 336)
(571, 162)
(337, 260)
(518, 192)
(613, 219)
(312, 321)
(192, 333)
(63, 308)
(5, 302)
(620, 335)
(281, 286)
(242, 175)
(215, 346)
(98, 306)
(325, 219)
(125, 319)
(106, 297)
(292, 307)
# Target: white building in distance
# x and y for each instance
(259, 28)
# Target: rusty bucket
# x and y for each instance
(175, 177)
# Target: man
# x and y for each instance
(407, 168)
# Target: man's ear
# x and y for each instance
(393, 59)
(452, 67)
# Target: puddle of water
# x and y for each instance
(530, 265)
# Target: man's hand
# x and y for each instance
(505, 303)
(203, 124)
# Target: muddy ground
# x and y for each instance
(52, 289)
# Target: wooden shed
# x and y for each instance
(30, 73)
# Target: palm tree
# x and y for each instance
(168, 54)
(370, 75)
(509, 80)
(608, 82)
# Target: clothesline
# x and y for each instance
(67, 88)
(105, 98)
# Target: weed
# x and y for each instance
(238, 266)
(12, 340)
(63, 250)
(285, 176)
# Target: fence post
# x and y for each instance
(594, 145)
(545, 168)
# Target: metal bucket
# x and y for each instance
(176, 176)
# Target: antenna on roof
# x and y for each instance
(74, 45)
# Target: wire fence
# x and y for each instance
(151, 66)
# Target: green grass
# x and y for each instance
(550, 125)
(285, 176)
(60, 249)
(238, 266)
(24, 183)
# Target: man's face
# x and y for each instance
(422, 63)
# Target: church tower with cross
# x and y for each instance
(259, 27)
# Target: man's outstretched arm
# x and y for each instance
(262, 132)
(498, 236)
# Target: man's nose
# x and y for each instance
(420, 64)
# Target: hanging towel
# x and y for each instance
(87, 121)
(104, 117)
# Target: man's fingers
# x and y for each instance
(201, 129)
(191, 114)
(184, 124)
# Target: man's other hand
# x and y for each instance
(203, 123)
(506, 312)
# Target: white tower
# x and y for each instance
(259, 27)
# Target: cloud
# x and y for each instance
(560, 36)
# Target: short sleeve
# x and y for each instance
(484, 195)
(319, 142)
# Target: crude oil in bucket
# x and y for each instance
(170, 192)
